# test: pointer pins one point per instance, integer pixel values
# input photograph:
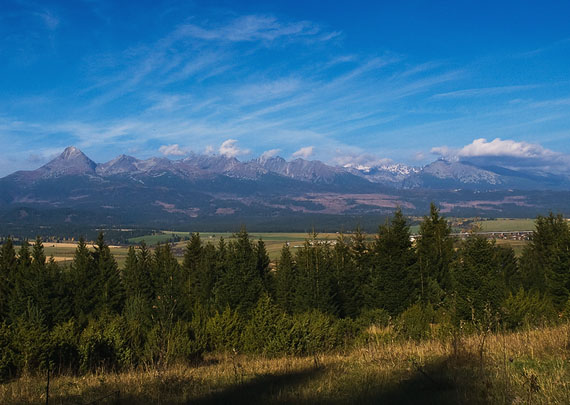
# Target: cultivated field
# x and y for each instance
(274, 241)
(507, 225)
(63, 252)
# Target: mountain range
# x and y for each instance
(211, 188)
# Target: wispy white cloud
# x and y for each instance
(484, 91)
(270, 153)
(172, 150)
(254, 28)
(305, 152)
(230, 148)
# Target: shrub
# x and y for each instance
(63, 347)
(168, 346)
(224, 331)
(527, 309)
(31, 341)
(101, 345)
(263, 332)
(415, 322)
(8, 353)
(314, 332)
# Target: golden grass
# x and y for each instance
(515, 368)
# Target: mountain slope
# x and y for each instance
(72, 188)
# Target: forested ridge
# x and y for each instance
(323, 296)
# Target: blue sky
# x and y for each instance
(350, 82)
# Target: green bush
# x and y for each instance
(314, 332)
(169, 346)
(63, 346)
(268, 330)
(415, 322)
(31, 341)
(225, 330)
(527, 309)
(97, 346)
(8, 353)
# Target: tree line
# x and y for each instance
(321, 296)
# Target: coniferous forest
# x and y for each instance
(321, 297)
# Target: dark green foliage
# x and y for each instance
(177, 344)
(8, 269)
(171, 303)
(315, 332)
(112, 293)
(527, 309)
(391, 284)
(224, 331)
(414, 322)
(435, 254)
(64, 347)
(240, 284)
(546, 260)
(9, 356)
(315, 283)
(85, 280)
(479, 277)
(324, 297)
(267, 330)
(97, 347)
(285, 281)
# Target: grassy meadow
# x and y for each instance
(507, 225)
(526, 367)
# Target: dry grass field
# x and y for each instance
(527, 367)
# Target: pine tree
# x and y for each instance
(285, 280)
(391, 284)
(8, 268)
(85, 280)
(479, 277)
(315, 281)
(112, 292)
(435, 254)
(129, 274)
(239, 285)
(22, 292)
(347, 289)
(192, 266)
(171, 303)
(263, 265)
(546, 260)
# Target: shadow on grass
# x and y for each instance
(449, 381)
(261, 389)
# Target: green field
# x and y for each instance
(273, 241)
(506, 225)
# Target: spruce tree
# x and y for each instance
(435, 253)
(112, 294)
(85, 280)
(239, 285)
(192, 266)
(171, 303)
(479, 277)
(21, 294)
(315, 281)
(8, 268)
(391, 284)
(263, 265)
(285, 280)
(546, 259)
